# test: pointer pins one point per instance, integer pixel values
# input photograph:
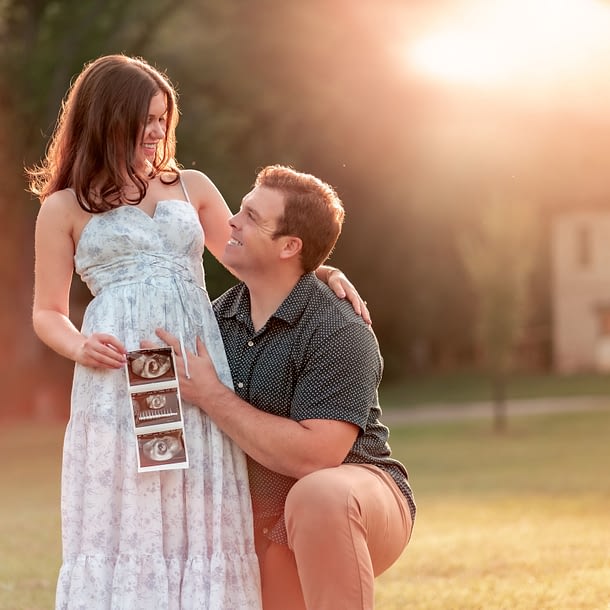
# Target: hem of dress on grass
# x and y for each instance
(130, 582)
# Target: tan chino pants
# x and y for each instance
(346, 525)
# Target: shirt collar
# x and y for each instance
(289, 311)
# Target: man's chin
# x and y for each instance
(229, 258)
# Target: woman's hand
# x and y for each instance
(101, 351)
(337, 281)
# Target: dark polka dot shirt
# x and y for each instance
(314, 359)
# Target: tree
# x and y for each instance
(498, 257)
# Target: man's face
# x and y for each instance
(252, 247)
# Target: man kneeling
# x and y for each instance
(332, 508)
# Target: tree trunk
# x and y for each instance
(499, 402)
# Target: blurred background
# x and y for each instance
(468, 140)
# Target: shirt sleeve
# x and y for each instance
(340, 378)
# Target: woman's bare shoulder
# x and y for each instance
(202, 191)
(196, 178)
(61, 209)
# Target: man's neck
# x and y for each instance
(267, 294)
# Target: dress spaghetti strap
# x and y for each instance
(184, 188)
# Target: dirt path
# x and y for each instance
(435, 412)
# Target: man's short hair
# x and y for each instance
(313, 211)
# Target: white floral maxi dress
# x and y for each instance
(175, 539)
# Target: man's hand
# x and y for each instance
(202, 379)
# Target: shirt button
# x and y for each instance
(265, 530)
(250, 343)
(240, 384)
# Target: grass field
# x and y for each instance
(514, 522)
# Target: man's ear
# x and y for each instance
(292, 246)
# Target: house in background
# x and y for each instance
(580, 288)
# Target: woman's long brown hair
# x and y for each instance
(92, 149)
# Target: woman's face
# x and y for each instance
(153, 130)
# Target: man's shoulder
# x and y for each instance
(331, 325)
(332, 312)
(329, 301)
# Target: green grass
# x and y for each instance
(473, 387)
(29, 516)
(515, 522)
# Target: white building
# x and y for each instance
(580, 288)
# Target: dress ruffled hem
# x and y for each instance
(222, 581)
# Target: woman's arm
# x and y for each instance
(213, 211)
(54, 254)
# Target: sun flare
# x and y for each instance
(516, 42)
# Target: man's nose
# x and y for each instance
(233, 220)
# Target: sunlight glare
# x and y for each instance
(508, 42)
(453, 56)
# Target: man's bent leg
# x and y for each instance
(280, 586)
(345, 525)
